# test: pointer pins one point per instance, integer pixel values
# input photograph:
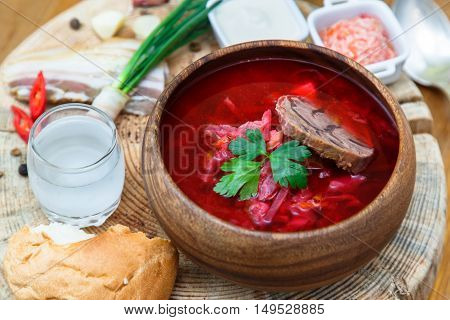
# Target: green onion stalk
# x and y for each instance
(185, 23)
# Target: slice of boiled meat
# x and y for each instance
(300, 120)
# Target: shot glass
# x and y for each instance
(76, 165)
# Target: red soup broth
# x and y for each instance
(242, 93)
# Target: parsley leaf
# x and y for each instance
(244, 177)
(286, 171)
(251, 148)
(244, 172)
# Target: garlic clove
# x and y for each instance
(144, 25)
(107, 23)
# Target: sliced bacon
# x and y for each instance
(148, 3)
(78, 75)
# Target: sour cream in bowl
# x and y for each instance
(238, 21)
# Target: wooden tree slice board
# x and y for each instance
(405, 269)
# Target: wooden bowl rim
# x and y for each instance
(392, 105)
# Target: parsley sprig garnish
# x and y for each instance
(244, 172)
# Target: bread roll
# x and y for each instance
(117, 264)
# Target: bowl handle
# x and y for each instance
(385, 71)
(329, 3)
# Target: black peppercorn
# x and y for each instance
(195, 47)
(75, 24)
(23, 170)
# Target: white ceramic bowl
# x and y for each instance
(387, 71)
(292, 12)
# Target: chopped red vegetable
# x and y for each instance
(276, 204)
(362, 38)
(232, 107)
(22, 122)
(307, 89)
(37, 97)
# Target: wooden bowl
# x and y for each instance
(279, 261)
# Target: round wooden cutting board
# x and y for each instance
(405, 269)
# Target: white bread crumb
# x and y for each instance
(62, 233)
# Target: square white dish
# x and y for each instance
(387, 71)
(255, 11)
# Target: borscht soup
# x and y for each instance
(278, 145)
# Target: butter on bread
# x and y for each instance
(117, 264)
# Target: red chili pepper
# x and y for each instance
(37, 97)
(22, 123)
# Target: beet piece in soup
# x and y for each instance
(205, 116)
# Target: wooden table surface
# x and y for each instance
(19, 18)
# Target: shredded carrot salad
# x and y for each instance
(362, 38)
